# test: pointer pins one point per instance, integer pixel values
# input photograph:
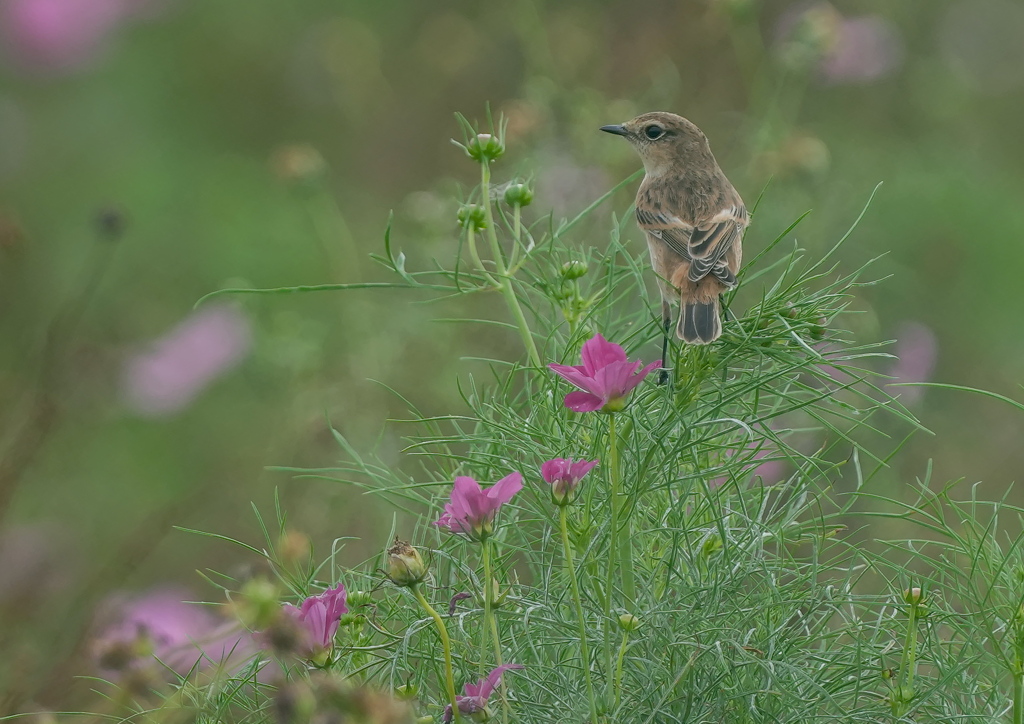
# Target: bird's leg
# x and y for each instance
(666, 328)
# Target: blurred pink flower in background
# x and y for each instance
(162, 625)
(856, 49)
(62, 36)
(866, 48)
(770, 472)
(58, 35)
(917, 350)
(177, 367)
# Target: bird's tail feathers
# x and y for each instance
(699, 322)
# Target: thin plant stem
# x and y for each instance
(475, 255)
(507, 290)
(563, 520)
(446, 645)
(492, 622)
(1018, 695)
(613, 496)
(517, 232)
(618, 668)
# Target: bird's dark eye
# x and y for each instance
(654, 132)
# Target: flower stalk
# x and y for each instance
(505, 285)
(446, 645)
(577, 600)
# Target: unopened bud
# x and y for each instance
(258, 606)
(574, 269)
(711, 546)
(294, 548)
(473, 217)
(358, 599)
(913, 596)
(405, 566)
(484, 148)
(518, 195)
(888, 673)
(407, 692)
(298, 163)
(628, 622)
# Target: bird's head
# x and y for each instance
(664, 141)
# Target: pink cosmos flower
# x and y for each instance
(162, 624)
(605, 377)
(472, 509)
(564, 475)
(917, 350)
(318, 618)
(58, 35)
(474, 699)
(176, 368)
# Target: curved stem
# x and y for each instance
(507, 290)
(446, 644)
(475, 255)
(584, 647)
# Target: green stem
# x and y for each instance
(618, 668)
(613, 548)
(446, 644)
(517, 232)
(584, 647)
(1018, 695)
(471, 239)
(492, 622)
(506, 287)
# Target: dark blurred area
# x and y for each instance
(152, 151)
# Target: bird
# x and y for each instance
(693, 218)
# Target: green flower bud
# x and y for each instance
(518, 195)
(405, 566)
(888, 673)
(349, 619)
(484, 148)
(574, 269)
(407, 692)
(628, 622)
(472, 216)
(358, 599)
(259, 605)
(913, 596)
(711, 546)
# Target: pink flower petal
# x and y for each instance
(583, 402)
(503, 490)
(598, 352)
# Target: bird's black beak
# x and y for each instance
(617, 130)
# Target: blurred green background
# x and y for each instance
(152, 151)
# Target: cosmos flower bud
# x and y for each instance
(472, 217)
(485, 147)
(913, 596)
(564, 476)
(299, 164)
(574, 269)
(518, 195)
(628, 622)
(407, 692)
(405, 566)
(358, 599)
(258, 606)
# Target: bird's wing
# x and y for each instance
(670, 229)
(711, 241)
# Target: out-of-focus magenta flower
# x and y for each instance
(564, 475)
(471, 509)
(177, 367)
(58, 35)
(606, 376)
(917, 350)
(770, 472)
(475, 696)
(163, 625)
(866, 48)
(318, 619)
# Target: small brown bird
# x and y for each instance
(692, 217)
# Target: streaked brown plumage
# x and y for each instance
(692, 217)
